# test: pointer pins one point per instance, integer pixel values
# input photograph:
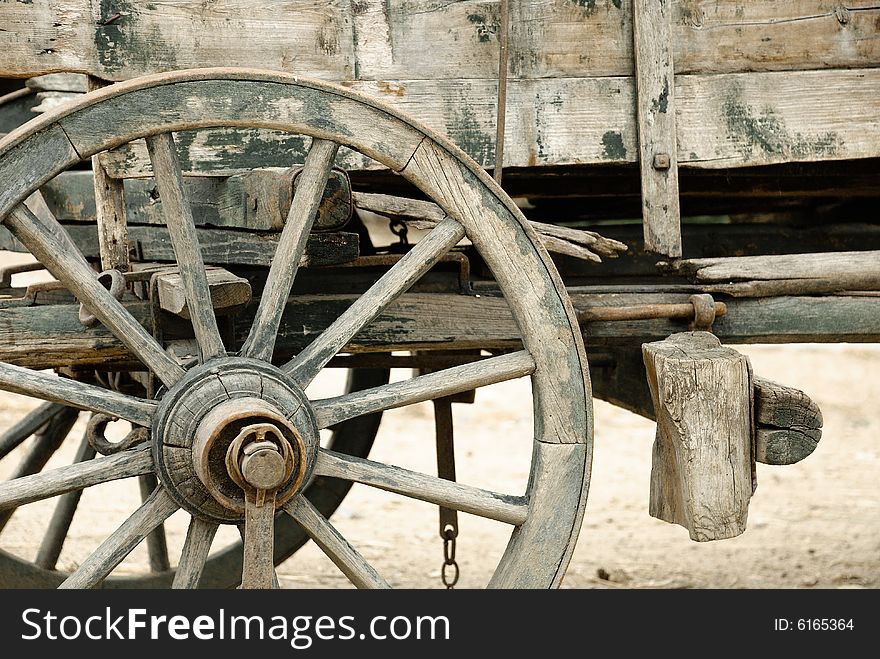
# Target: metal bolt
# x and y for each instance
(263, 465)
(662, 161)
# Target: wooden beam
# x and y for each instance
(46, 336)
(723, 121)
(219, 246)
(701, 477)
(385, 39)
(655, 110)
(228, 291)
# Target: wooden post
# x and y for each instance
(702, 462)
(658, 144)
(110, 208)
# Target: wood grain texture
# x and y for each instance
(399, 278)
(51, 246)
(62, 517)
(344, 556)
(17, 433)
(788, 423)
(228, 291)
(258, 570)
(184, 239)
(561, 473)
(330, 411)
(76, 394)
(49, 336)
(219, 246)
(126, 464)
(825, 266)
(109, 193)
(291, 247)
(386, 39)
(199, 535)
(655, 109)
(701, 474)
(155, 510)
(500, 507)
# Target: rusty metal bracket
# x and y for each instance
(95, 435)
(704, 312)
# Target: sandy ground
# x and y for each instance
(811, 525)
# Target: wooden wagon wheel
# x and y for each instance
(234, 437)
(51, 423)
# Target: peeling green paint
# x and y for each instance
(612, 146)
(767, 133)
(589, 5)
(121, 43)
(464, 129)
(485, 29)
(661, 103)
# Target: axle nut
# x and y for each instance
(263, 466)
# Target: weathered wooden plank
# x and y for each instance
(256, 200)
(120, 40)
(227, 291)
(219, 246)
(655, 110)
(46, 336)
(821, 265)
(723, 121)
(109, 194)
(386, 39)
(701, 477)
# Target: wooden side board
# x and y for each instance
(722, 121)
(386, 39)
(50, 335)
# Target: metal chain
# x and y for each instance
(449, 535)
(399, 229)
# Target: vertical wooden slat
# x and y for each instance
(110, 209)
(655, 101)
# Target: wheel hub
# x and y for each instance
(230, 428)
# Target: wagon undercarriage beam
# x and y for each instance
(47, 336)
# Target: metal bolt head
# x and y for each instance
(662, 161)
(263, 466)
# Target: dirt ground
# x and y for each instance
(811, 525)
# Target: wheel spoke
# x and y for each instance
(304, 208)
(12, 438)
(25, 381)
(27, 489)
(185, 241)
(49, 244)
(258, 567)
(114, 549)
(500, 507)
(46, 443)
(157, 544)
(65, 509)
(399, 278)
(199, 536)
(331, 411)
(347, 558)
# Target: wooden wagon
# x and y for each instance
(213, 230)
